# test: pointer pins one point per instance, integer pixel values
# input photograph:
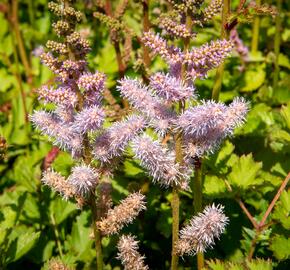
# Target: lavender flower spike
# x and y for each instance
(114, 140)
(84, 179)
(63, 95)
(159, 46)
(158, 161)
(202, 119)
(199, 234)
(236, 112)
(129, 255)
(201, 60)
(49, 124)
(140, 97)
(170, 88)
(89, 119)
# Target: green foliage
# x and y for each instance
(251, 265)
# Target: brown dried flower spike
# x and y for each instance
(122, 214)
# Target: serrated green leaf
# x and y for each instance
(21, 245)
(215, 265)
(259, 264)
(214, 186)
(244, 172)
(280, 247)
(282, 210)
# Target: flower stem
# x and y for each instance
(175, 226)
(255, 32)
(97, 233)
(197, 195)
(56, 235)
(146, 26)
(20, 84)
(277, 42)
(19, 40)
(224, 35)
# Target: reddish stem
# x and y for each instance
(248, 214)
(271, 205)
(146, 27)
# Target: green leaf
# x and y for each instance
(244, 172)
(282, 210)
(279, 140)
(63, 163)
(61, 209)
(281, 93)
(254, 79)
(79, 240)
(131, 168)
(164, 221)
(280, 247)
(218, 161)
(285, 112)
(214, 186)
(6, 46)
(9, 218)
(259, 264)
(21, 245)
(283, 61)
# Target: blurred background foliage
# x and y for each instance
(36, 225)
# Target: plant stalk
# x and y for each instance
(224, 35)
(256, 31)
(277, 42)
(97, 233)
(56, 235)
(19, 81)
(197, 195)
(146, 26)
(19, 40)
(175, 203)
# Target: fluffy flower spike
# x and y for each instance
(115, 139)
(170, 88)
(84, 179)
(159, 162)
(201, 231)
(89, 119)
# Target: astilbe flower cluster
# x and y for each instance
(76, 125)
(200, 125)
